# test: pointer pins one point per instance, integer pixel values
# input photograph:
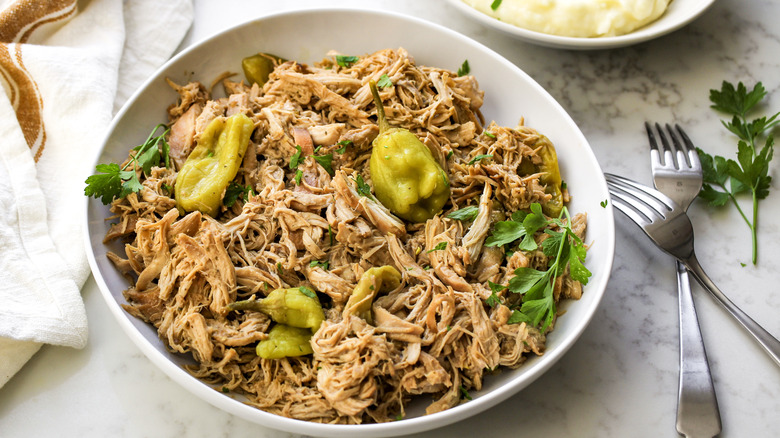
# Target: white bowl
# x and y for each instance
(678, 14)
(307, 36)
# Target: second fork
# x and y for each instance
(678, 174)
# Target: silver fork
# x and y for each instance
(670, 228)
(680, 179)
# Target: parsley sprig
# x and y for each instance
(750, 172)
(114, 182)
(563, 248)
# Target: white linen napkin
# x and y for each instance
(65, 67)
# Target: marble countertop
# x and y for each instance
(620, 378)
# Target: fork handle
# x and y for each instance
(768, 342)
(697, 406)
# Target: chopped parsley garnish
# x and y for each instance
(318, 264)
(479, 158)
(114, 182)
(604, 203)
(346, 61)
(326, 162)
(343, 144)
(464, 393)
(363, 188)
(465, 213)
(439, 247)
(297, 158)
(384, 81)
(298, 176)
(234, 191)
(306, 291)
(464, 68)
(493, 300)
(495, 4)
(449, 154)
(490, 134)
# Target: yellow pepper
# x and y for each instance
(212, 164)
(293, 307)
(406, 177)
(285, 341)
(374, 280)
(551, 177)
(258, 67)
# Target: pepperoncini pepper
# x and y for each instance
(373, 281)
(258, 67)
(212, 164)
(550, 175)
(293, 307)
(285, 341)
(406, 177)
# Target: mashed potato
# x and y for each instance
(575, 18)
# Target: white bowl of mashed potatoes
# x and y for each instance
(584, 24)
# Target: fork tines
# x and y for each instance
(685, 150)
(631, 198)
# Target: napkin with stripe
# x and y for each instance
(65, 68)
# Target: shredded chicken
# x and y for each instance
(434, 334)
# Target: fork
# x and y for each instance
(670, 228)
(680, 179)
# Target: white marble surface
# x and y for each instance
(620, 379)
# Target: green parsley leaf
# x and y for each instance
(464, 68)
(363, 188)
(479, 158)
(493, 300)
(465, 214)
(495, 287)
(517, 317)
(523, 225)
(326, 162)
(318, 264)
(505, 232)
(384, 81)
(106, 184)
(346, 61)
(298, 176)
(439, 247)
(234, 191)
(495, 4)
(343, 144)
(297, 158)
(306, 291)
(604, 203)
